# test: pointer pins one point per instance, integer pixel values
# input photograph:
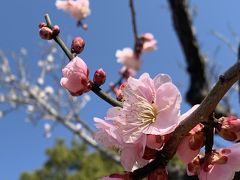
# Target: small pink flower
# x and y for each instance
(75, 78)
(151, 106)
(150, 113)
(221, 164)
(229, 128)
(128, 58)
(149, 42)
(77, 8)
(190, 146)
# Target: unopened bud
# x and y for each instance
(42, 24)
(99, 77)
(77, 45)
(55, 30)
(46, 33)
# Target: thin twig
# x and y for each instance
(182, 22)
(134, 24)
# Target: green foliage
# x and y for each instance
(72, 163)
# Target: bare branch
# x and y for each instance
(195, 61)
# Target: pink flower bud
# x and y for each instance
(46, 33)
(42, 24)
(99, 77)
(77, 45)
(229, 128)
(55, 30)
(75, 78)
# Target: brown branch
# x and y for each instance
(134, 24)
(201, 114)
(183, 25)
(182, 22)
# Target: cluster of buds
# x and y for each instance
(48, 33)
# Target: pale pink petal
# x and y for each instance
(161, 79)
(234, 157)
(218, 172)
(166, 95)
(190, 111)
(128, 158)
(184, 152)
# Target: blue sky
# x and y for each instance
(22, 145)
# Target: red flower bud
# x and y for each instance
(42, 24)
(55, 30)
(229, 128)
(77, 45)
(99, 77)
(46, 33)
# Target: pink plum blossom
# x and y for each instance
(221, 164)
(128, 58)
(229, 128)
(151, 106)
(75, 78)
(149, 42)
(77, 8)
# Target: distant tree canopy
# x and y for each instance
(72, 163)
(78, 162)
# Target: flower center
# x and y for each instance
(148, 112)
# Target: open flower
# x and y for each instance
(77, 8)
(221, 164)
(151, 106)
(75, 78)
(128, 58)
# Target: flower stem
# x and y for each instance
(97, 90)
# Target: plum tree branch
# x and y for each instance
(183, 25)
